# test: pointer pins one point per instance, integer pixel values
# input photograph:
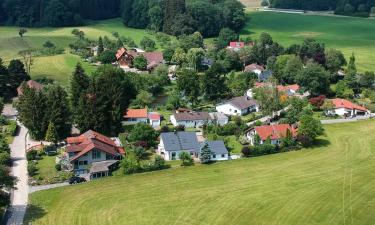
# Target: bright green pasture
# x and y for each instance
(59, 67)
(345, 33)
(332, 183)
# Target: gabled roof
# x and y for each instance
(217, 147)
(154, 116)
(136, 113)
(236, 44)
(343, 103)
(281, 88)
(92, 140)
(275, 132)
(191, 116)
(253, 66)
(120, 53)
(177, 141)
(31, 84)
(241, 102)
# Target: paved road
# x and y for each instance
(19, 196)
(46, 187)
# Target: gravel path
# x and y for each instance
(46, 187)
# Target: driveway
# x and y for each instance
(19, 196)
(46, 187)
(348, 120)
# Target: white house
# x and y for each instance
(154, 119)
(274, 132)
(190, 119)
(219, 118)
(238, 106)
(173, 143)
(343, 107)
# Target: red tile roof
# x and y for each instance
(89, 141)
(253, 66)
(274, 131)
(236, 44)
(136, 113)
(30, 84)
(120, 52)
(281, 88)
(343, 103)
(154, 116)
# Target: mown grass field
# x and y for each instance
(332, 183)
(344, 33)
(59, 67)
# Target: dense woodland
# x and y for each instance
(174, 17)
(342, 7)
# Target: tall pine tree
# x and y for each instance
(351, 73)
(58, 111)
(78, 85)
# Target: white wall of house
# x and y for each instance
(229, 109)
(188, 123)
(251, 137)
(134, 121)
(219, 157)
(171, 155)
(85, 161)
(347, 112)
(154, 123)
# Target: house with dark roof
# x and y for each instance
(238, 106)
(90, 148)
(343, 107)
(31, 84)
(173, 143)
(274, 132)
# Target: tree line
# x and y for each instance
(174, 17)
(341, 7)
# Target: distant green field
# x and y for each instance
(332, 183)
(61, 66)
(345, 33)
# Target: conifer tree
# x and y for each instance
(78, 84)
(100, 46)
(351, 73)
(51, 134)
(205, 153)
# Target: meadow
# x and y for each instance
(331, 183)
(59, 67)
(347, 34)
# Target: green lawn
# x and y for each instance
(59, 67)
(330, 184)
(344, 33)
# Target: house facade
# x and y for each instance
(238, 106)
(343, 107)
(190, 119)
(89, 148)
(173, 143)
(154, 119)
(274, 132)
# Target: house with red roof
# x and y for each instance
(31, 84)
(343, 107)
(275, 132)
(133, 116)
(125, 58)
(236, 45)
(93, 153)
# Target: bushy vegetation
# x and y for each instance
(350, 8)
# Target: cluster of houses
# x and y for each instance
(97, 155)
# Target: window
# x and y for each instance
(173, 155)
(214, 156)
(85, 162)
(96, 154)
(222, 155)
(235, 111)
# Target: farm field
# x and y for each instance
(59, 67)
(331, 183)
(344, 33)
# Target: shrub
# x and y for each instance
(32, 169)
(186, 159)
(31, 155)
(246, 151)
(58, 167)
(180, 128)
(264, 3)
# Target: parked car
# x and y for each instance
(76, 180)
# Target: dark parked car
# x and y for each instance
(76, 180)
